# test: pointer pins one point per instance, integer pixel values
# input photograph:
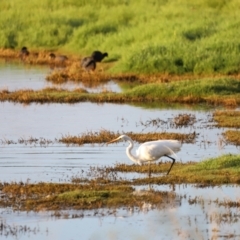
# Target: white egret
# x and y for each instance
(151, 151)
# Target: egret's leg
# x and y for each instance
(172, 163)
(149, 169)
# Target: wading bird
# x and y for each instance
(58, 58)
(24, 53)
(99, 56)
(88, 63)
(151, 151)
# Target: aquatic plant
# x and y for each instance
(227, 118)
(232, 136)
(105, 136)
(54, 196)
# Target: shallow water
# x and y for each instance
(179, 219)
(14, 76)
(55, 162)
(52, 121)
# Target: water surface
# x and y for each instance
(179, 219)
(15, 75)
(56, 162)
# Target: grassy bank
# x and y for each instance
(220, 170)
(142, 36)
(222, 91)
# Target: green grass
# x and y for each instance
(228, 161)
(142, 36)
(197, 88)
(220, 170)
(221, 91)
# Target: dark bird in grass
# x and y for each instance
(88, 63)
(24, 53)
(99, 56)
(58, 58)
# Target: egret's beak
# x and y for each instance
(114, 140)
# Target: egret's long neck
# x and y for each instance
(129, 154)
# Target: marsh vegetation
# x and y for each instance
(214, 92)
(188, 55)
(200, 37)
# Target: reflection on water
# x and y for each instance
(55, 163)
(195, 214)
(179, 219)
(15, 76)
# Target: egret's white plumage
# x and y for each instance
(151, 151)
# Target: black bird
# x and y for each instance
(88, 63)
(24, 53)
(99, 56)
(58, 58)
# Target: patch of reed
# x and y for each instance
(104, 136)
(232, 136)
(227, 118)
